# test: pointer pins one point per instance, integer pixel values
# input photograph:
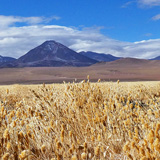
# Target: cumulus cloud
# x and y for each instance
(144, 49)
(148, 3)
(16, 41)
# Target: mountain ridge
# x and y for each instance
(156, 58)
(6, 59)
(100, 56)
(52, 54)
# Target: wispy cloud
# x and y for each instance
(148, 34)
(148, 3)
(142, 3)
(156, 17)
(11, 20)
(127, 4)
(16, 41)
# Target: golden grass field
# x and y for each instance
(80, 121)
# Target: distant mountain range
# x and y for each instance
(6, 59)
(100, 56)
(51, 54)
(156, 58)
(54, 54)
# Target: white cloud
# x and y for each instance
(16, 41)
(148, 34)
(125, 5)
(144, 49)
(148, 3)
(142, 3)
(156, 17)
(11, 20)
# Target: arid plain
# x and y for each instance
(125, 70)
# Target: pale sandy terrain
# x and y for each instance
(124, 70)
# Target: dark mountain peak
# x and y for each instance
(52, 53)
(50, 42)
(51, 45)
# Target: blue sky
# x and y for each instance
(119, 27)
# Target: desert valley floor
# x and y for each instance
(124, 70)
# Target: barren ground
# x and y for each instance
(104, 71)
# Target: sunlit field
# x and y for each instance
(80, 121)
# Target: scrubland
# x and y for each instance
(80, 121)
